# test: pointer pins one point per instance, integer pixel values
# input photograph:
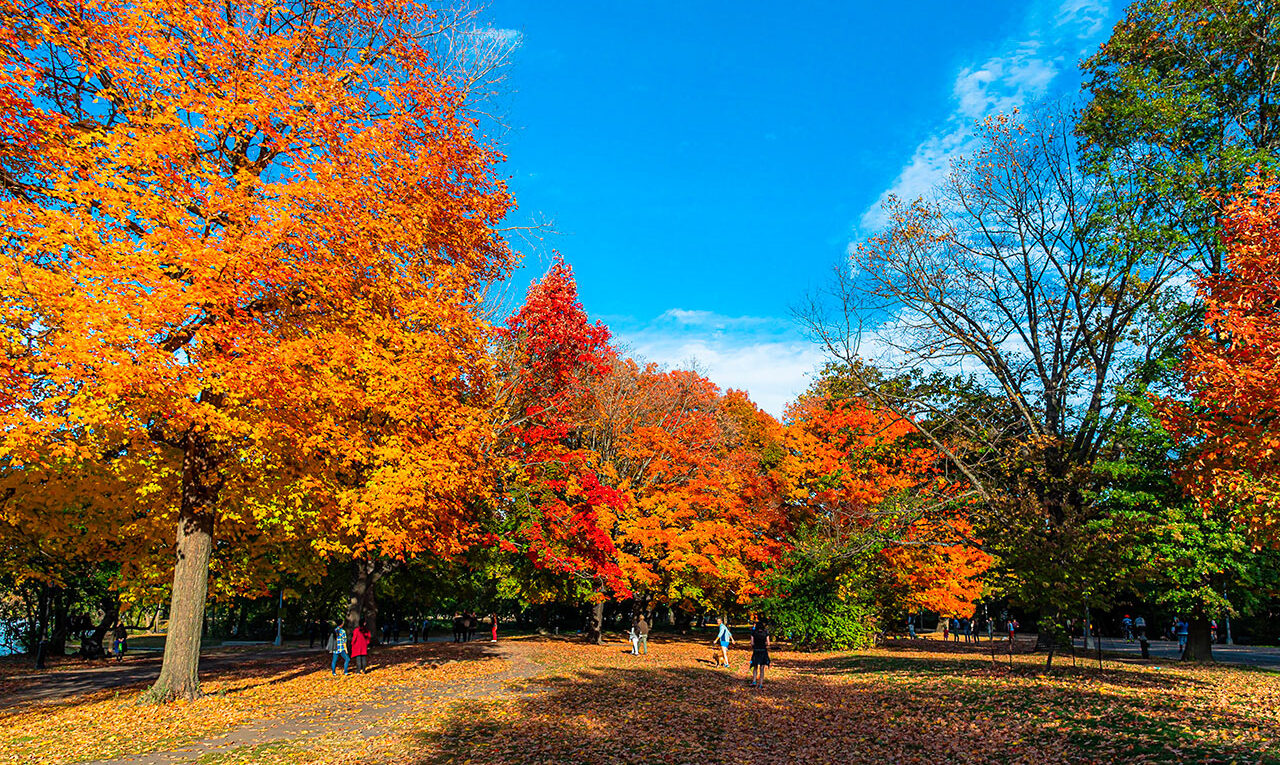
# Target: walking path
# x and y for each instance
(393, 701)
(1252, 655)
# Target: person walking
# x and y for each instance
(1140, 627)
(338, 647)
(968, 630)
(1011, 627)
(1126, 627)
(946, 628)
(642, 633)
(457, 627)
(360, 639)
(724, 638)
(911, 628)
(759, 652)
(471, 626)
(493, 627)
(955, 630)
(1180, 630)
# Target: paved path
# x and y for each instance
(1253, 655)
(143, 668)
(394, 701)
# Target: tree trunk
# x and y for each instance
(180, 670)
(362, 603)
(1199, 641)
(595, 623)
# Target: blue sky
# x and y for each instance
(703, 165)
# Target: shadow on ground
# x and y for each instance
(83, 683)
(902, 707)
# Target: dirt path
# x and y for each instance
(394, 701)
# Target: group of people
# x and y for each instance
(465, 625)
(357, 647)
(760, 642)
(970, 628)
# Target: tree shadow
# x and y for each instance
(660, 714)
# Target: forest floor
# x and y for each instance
(541, 700)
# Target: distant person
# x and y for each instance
(1180, 630)
(1140, 627)
(469, 624)
(724, 638)
(493, 628)
(120, 640)
(946, 629)
(360, 639)
(338, 647)
(1126, 627)
(968, 630)
(1213, 631)
(634, 637)
(459, 628)
(759, 652)
(1011, 626)
(911, 628)
(955, 630)
(642, 633)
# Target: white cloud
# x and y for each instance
(1023, 71)
(765, 356)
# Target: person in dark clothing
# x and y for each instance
(759, 652)
(458, 627)
(472, 622)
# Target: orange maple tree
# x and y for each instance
(1232, 371)
(859, 474)
(702, 520)
(245, 243)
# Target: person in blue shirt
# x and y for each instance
(723, 639)
(338, 647)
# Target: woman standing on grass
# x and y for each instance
(360, 638)
(723, 638)
(759, 652)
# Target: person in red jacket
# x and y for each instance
(360, 638)
(493, 624)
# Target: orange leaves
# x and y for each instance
(266, 229)
(1232, 371)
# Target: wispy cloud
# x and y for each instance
(765, 356)
(1023, 70)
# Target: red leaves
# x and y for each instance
(1232, 371)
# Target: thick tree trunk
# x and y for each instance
(179, 673)
(595, 624)
(1199, 641)
(362, 602)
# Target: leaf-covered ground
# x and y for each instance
(923, 701)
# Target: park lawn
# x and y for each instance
(925, 701)
(921, 701)
(296, 691)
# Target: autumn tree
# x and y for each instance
(1019, 270)
(703, 520)
(1232, 374)
(556, 489)
(239, 236)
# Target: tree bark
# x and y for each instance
(362, 602)
(595, 624)
(1199, 641)
(179, 672)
